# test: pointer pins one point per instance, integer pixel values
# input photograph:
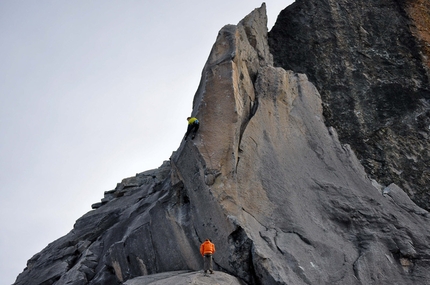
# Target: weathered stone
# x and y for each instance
(282, 199)
(402, 200)
(96, 205)
(185, 278)
(370, 61)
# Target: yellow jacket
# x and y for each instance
(207, 248)
(192, 120)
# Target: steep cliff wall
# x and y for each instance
(283, 200)
(419, 13)
(370, 62)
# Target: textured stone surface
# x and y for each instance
(282, 199)
(185, 278)
(370, 62)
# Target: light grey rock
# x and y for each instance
(282, 199)
(185, 278)
(400, 198)
(370, 61)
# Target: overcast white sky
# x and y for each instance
(92, 92)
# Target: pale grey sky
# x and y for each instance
(92, 92)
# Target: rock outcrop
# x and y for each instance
(370, 62)
(282, 199)
(184, 278)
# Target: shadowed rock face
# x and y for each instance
(370, 61)
(282, 199)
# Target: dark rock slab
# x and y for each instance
(370, 62)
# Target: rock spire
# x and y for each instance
(282, 199)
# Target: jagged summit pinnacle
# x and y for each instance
(272, 186)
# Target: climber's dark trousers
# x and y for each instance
(207, 262)
(192, 128)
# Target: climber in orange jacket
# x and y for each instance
(193, 125)
(206, 250)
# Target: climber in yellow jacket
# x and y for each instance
(193, 126)
(207, 248)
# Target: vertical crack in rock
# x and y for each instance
(241, 255)
(370, 62)
(284, 201)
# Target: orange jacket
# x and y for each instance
(207, 248)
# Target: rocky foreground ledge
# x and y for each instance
(185, 278)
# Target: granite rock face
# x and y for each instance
(370, 62)
(185, 278)
(282, 199)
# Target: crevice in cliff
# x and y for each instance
(51, 281)
(241, 256)
(253, 107)
(247, 212)
(153, 247)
